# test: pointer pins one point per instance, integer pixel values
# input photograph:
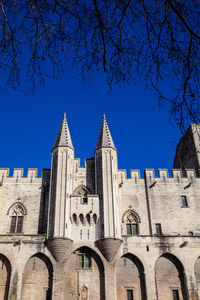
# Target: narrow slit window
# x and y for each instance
(158, 228)
(184, 201)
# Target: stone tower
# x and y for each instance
(61, 187)
(188, 150)
(106, 186)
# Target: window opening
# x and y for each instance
(158, 228)
(84, 261)
(131, 224)
(16, 224)
(175, 294)
(184, 201)
(85, 200)
(129, 294)
(132, 229)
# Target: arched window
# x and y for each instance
(17, 216)
(88, 218)
(81, 218)
(131, 224)
(83, 192)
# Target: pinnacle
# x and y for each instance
(63, 138)
(105, 139)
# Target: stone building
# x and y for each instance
(91, 233)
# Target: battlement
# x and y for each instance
(163, 175)
(18, 173)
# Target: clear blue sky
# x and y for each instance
(141, 133)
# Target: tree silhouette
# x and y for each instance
(153, 39)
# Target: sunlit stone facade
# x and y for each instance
(91, 233)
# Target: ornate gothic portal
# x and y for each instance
(170, 281)
(5, 272)
(37, 279)
(130, 278)
(84, 276)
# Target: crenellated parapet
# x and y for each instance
(18, 176)
(163, 175)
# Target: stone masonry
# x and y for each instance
(91, 233)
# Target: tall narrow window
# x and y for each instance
(131, 225)
(16, 225)
(175, 294)
(129, 294)
(184, 201)
(158, 228)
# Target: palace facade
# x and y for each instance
(91, 233)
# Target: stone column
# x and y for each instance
(151, 284)
(58, 283)
(110, 282)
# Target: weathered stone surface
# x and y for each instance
(59, 247)
(109, 247)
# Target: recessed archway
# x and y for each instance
(197, 274)
(37, 278)
(130, 278)
(170, 278)
(5, 273)
(84, 276)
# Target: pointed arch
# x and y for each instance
(17, 211)
(197, 274)
(37, 279)
(84, 267)
(17, 205)
(5, 274)
(130, 222)
(170, 277)
(131, 212)
(130, 277)
(82, 190)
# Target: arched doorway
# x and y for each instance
(170, 278)
(197, 274)
(37, 278)
(5, 273)
(84, 276)
(130, 278)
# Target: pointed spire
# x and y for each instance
(63, 138)
(105, 139)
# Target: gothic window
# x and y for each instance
(84, 261)
(131, 224)
(83, 192)
(17, 216)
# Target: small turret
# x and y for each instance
(61, 186)
(107, 188)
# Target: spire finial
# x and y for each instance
(63, 138)
(105, 139)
